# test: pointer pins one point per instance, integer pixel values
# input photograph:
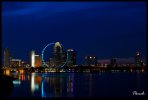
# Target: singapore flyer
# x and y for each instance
(43, 61)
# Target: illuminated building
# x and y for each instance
(138, 61)
(113, 62)
(57, 54)
(64, 57)
(71, 57)
(51, 62)
(32, 58)
(15, 63)
(6, 58)
(24, 64)
(38, 61)
(91, 60)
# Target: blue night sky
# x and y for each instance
(104, 29)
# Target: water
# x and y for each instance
(103, 84)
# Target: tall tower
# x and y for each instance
(6, 57)
(32, 58)
(57, 54)
(137, 59)
(71, 57)
(38, 61)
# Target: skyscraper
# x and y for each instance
(64, 57)
(38, 61)
(32, 58)
(6, 57)
(51, 62)
(138, 61)
(91, 60)
(71, 57)
(113, 62)
(57, 54)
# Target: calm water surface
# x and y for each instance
(104, 84)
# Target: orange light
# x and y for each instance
(21, 71)
(7, 72)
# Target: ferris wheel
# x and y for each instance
(43, 61)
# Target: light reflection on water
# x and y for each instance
(77, 84)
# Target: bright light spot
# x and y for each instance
(32, 82)
(16, 82)
(21, 71)
(32, 58)
(7, 72)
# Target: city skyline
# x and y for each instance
(103, 29)
(131, 60)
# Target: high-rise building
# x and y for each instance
(32, 58)
(57, 54)
(51, 62)
(138, 61)
(71, 57)
(113, 62)
(15, 62)
(90, 60)
(38, 61)
(6, 58)
(64, 57)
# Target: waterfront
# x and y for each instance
(102, 84)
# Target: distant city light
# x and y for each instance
(16, 82)
(15, 60)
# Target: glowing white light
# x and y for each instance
(57, 44)
(70, 50)
(32, 58)
(15, 82)
(15, 60)
(137, 53)
(32, 82)
(36, 55)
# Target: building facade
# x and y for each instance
(91, 60)
(15, 62)
(6, 58)
(138, 61)
(51, 62)
(113, 62)
(57, 54)
(71, 59)
(32, 58)
(35, 60)
(38, 61)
